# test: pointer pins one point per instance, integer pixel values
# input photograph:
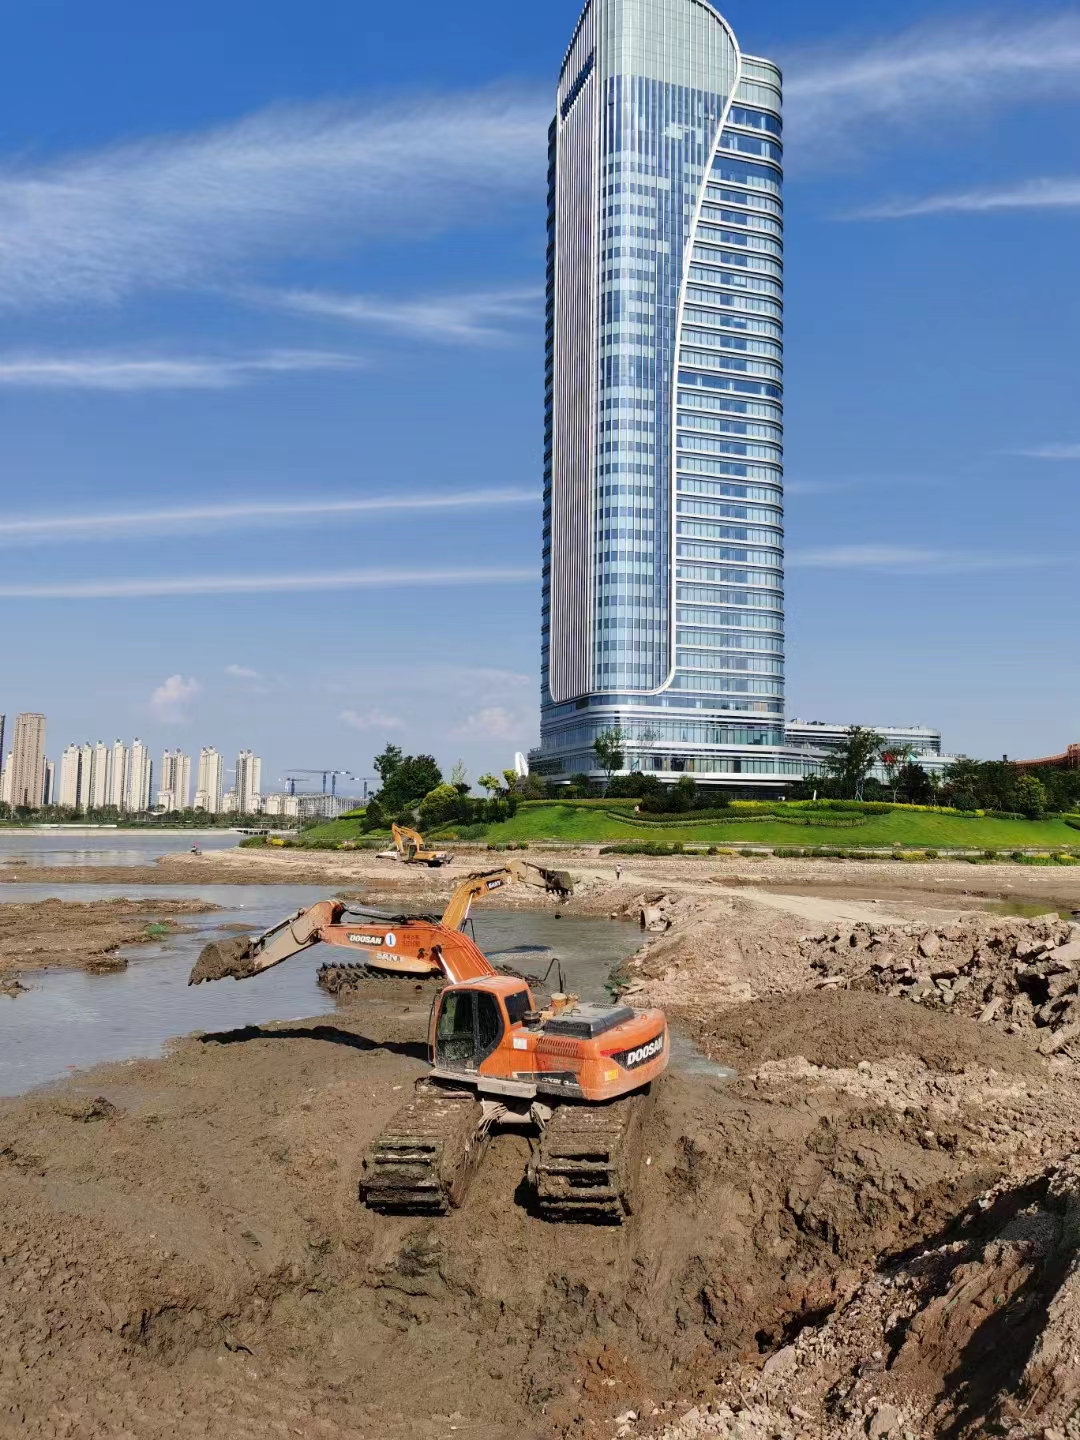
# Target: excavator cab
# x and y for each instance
(468, 1029)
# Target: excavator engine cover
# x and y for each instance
(585, 1022)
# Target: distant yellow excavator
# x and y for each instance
(409, 847)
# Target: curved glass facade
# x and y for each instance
(663, 518)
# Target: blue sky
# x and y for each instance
(271, 371)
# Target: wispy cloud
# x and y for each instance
(133, 589)
(171, 699)
(478, 685)
(371, 720)
(183, 372)
(902, 558)
(114, 525)
(476, 318)
(242, 672)
(1051, 452)
(1061, 194)
(496, 722)
(191, 209)
(841, 98)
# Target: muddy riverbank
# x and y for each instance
(927, 884)
(86, 936)
(866, 1231)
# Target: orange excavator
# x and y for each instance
(575, 1076)
(409, 848)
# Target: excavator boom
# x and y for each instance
(407, 945)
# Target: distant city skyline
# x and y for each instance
(122, 777)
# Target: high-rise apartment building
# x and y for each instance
(248, 782)
(27, 763)
(175, 791)
(70, 765)
(117, 782)
(663, 516)
(208, 781)
(140, 778)
(98, 790)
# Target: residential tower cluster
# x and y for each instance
(120, 777)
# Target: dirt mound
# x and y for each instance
(849, 1027)
(703, 953)
(1019, 975)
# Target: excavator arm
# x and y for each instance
(440, 943)
(521, 872)
(395, 940)
(242, 958)
(404, 836)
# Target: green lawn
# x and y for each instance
(591, 823)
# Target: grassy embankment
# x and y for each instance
(607, 822)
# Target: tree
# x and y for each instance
(410, 779)
(912, 785)
(511, 778)
(388, 762)
(491, 783)
(608, 747)
(532, 787)
(894, 758)
(852, 763)
(459, 778)
(630, 787)
(1030, 797)
(439, 805)
(683, 796)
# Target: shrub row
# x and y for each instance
(689, 818)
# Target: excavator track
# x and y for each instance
(342, 979)
(588, 1161)
(338, 979)
(424, 1161)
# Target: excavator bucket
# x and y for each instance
(559, 882)
(221, 959)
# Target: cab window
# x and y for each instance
(488, 1025)
(517, 1006)
(455, 1043)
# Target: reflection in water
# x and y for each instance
(68, 1020)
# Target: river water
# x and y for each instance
(68, 1020)
(105, 847)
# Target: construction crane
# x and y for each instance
(575, 1075)
(295, 777)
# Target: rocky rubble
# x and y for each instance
(1022, 975)
(976, 1333)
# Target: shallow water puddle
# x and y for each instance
(68, 1020)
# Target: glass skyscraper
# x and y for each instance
(663, 595)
